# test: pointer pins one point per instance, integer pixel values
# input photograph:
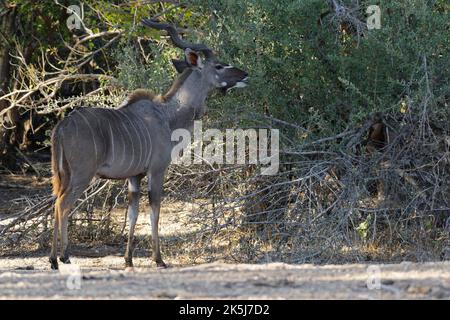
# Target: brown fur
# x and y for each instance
(60, 179)
(56, 179)
(376, 141)
(144, 94)
(137, 95)
(377, 134)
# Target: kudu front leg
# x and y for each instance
(154, 197)
(133, 212)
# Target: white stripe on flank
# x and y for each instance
(143, 140)
(112, 141)
(137, 136)
(113, 112)
(132, 145)
(96, 117)
(149, 144)
(93, 134)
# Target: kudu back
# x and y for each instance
(133, 140)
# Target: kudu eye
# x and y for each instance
(219, 67)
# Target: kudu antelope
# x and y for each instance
(133, 140)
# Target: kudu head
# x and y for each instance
(214, 73)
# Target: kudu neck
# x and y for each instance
(186, 99)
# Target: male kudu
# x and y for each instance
(133, 140)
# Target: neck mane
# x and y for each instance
(183, 103)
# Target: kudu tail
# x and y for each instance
(59, 165)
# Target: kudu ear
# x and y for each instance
(193, 58)
(179, 65)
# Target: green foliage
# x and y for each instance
(305, 73)
(133, 73)
(363, 228)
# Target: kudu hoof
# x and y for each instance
(53, 263)
(128, 263)
(64, 260)
(129, 269)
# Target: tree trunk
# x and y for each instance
(7, 136)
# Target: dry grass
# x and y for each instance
(332, 202)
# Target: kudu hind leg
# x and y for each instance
(53, 254)
(132, 213)
(67, 200)
(154, 198)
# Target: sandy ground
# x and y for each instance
(104, 278)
